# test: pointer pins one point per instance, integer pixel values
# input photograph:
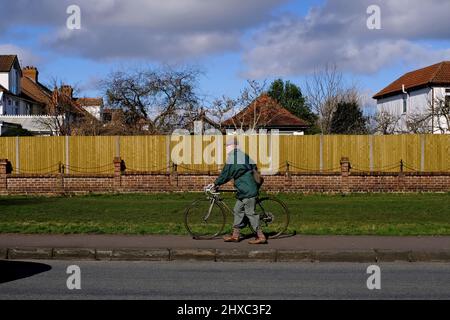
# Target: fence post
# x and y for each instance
(345, 171)
(371, 153)
(17, 155)
(168, 153)
(3, 181)
(321, 154)
(117, 146)
(67, 153)
(422, 153)
(117, 173)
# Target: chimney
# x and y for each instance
(67, 90)
(31, 73)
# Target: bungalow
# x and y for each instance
(26, 102)
(265, 113)
(422, 94)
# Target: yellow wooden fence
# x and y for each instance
(428, 153)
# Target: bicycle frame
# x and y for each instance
(266, 215)
(215, 197)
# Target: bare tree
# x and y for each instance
(63, 113)
(434, 118)
(325, 89)
(418, 123)
(221, 109)
(384, 122)
(160, 100)
(244, 112)
(439, 113)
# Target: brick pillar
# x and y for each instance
(345, 171)
(3, 185)
(118, 168)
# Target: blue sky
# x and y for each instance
(230, 41)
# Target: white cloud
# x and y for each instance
(26, 57)
(337, 32)
(161, 30)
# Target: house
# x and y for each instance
(266, 113)
(15, 98)
(92, 105)
(26, 102)
(421, 94)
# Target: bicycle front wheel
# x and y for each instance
(204, 219)
(273, 216)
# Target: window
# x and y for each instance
(447, 101)
(405, 104)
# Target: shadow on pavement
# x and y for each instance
(15, 270)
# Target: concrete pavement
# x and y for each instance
(168, 248)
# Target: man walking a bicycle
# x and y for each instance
(243, 171)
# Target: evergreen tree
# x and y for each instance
(289, 96)
(348, 119)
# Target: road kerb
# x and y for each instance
(393, 255)
(294, 256)
(30, 253)
(430, 256)
(345, 256)
(237, 255)
(225, 255)
(73, 253)
(193, 254)
(140, 254)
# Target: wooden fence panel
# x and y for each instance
(41, 154)
(355, 147)
(8, 149)
(437, 153)
(302, 152)
(390, 150)
(154, 153)
(91, 154)
(144, 153)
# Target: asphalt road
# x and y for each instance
(209, 280)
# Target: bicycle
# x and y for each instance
(205, 218)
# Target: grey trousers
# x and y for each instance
(246, 207)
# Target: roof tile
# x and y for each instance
(268, 113)
(438, 74)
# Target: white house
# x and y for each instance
(92, 105)
(14, 100)
(25, 102)
(420, 95)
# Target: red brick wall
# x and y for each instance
(344, 181)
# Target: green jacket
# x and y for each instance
(240, 168)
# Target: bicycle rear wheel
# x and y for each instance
(204, 219)
(274, 216)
